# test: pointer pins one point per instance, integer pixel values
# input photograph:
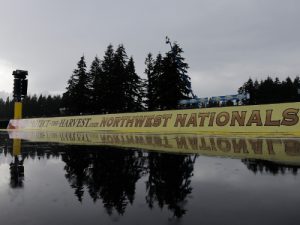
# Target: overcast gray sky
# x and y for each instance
(224, 41)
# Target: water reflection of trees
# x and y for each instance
(169, 181)
(4, 143)
(110, 174)
(107, 175)
(113, 178)
(265, 166)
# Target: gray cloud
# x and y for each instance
(225, 42)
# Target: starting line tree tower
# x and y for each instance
(19, 91)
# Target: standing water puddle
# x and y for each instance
(102, 178)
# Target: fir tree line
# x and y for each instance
(33, 106)
(168, 81)
(112, 86)
(271, 91)
(6, 108)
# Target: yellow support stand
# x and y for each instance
(18, 110)
(17, 142)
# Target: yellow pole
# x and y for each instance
(18, 110)
(17, 142)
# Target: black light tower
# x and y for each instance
(20, 91)
(20, 84)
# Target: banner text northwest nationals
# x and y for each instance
(288, 117)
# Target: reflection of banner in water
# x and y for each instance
(274, 149)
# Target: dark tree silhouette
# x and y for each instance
(153, 71)
(169, 182)
(117, 79)
(6, 108)
(248, 87)
(77, 96)
(107, 81)
(174, 79)
(271, 91)
(97, 86)
(33, 106)
(265, 166)
(122, 88)
(109, 174)
(77, 163)
(133, 89)
(167, 79)
(113, 177)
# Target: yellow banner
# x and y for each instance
(258, 119)
(280, 150)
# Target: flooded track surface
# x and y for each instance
(102, 178)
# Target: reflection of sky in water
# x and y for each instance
(217, 190)
(227, 190)
(4, 175)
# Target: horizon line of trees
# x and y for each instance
(261, 92)
(271, 91)
(111, 85)
(33, 106)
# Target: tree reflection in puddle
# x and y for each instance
(109, 174)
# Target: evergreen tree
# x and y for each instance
(153, 71)
(107, 81)
(159, 86)
(121, 86)
(174, 79)
(289, 92)
(266, 91)
(296, 85)
(53, 103)
(77, 96)
(42, 106)
(97, 86)
(118, 80)
(168, 80)
(32, 106)
(9, 106)
(248, 88)
(271, 91)
(133, 89)
(2, 107)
